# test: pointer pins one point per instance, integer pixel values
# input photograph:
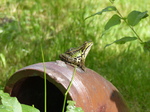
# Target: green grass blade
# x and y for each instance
(45, 84)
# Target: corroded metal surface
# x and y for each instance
(90, 90)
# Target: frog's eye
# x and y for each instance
(69, 50)
(85, 42)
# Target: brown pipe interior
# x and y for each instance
(30, 91)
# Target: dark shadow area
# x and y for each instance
(118, 100)
(30, 91)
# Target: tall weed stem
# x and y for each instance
(65, 97)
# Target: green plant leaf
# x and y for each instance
(71, 103)
(27, 108)
(4, 109)
(114, 20)
(135, 17)
(146, 45)
(107, 9)
(122, 40)
(10, 103)
(72, 108)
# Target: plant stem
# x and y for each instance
(134, 32)
(65, 97)
(45, 84)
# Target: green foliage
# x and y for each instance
(11, 104)
(135, 17)
(72, 108)
(131, 20)
(114, 20)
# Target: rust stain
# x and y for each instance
(102, 108)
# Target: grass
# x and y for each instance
(59, 25)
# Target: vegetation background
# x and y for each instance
(60, 25)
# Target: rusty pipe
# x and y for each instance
(89, 90)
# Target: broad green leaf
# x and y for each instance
(107, 9)
(114, 20)
(27, 108)
(135, 17)
(5, 109)
(146, 45)
(122, 40)
(4, 94)
(11, 103)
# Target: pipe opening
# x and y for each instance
(30, 91)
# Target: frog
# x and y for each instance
(77, 56)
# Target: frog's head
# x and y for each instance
(86, 47)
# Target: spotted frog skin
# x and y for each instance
(77, 56)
